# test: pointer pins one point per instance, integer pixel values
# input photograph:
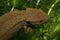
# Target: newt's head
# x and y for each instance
(36, 16)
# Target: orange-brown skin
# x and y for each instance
(13, 21)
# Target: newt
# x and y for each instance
(11, 22)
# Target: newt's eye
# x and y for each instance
(41, 21)
(28, 22)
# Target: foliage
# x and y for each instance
(46, 31)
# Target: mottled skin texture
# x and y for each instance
(13, 21)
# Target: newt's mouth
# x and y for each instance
(36, 22)
(32, 24)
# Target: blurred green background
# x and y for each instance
(47, 31)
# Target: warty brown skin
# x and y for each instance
(11, 22)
